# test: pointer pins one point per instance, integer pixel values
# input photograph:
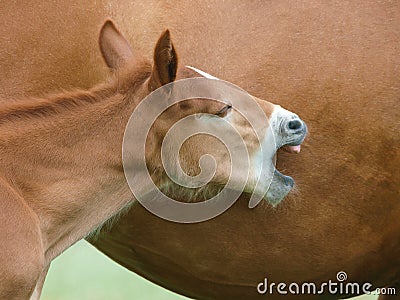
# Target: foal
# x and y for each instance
(61, 170)
(61, 158)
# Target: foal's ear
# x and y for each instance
(165, 62)
(114, 47)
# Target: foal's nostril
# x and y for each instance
(295, 125)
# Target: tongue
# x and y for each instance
(292, 149)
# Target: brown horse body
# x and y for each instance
(336, 64)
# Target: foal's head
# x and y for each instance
(216, 135)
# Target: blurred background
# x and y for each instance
(84, 273)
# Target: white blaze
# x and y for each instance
(204, 74)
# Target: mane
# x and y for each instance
(30, 108)
(42, 107)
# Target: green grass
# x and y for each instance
(83, 273)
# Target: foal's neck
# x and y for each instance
(64, 157)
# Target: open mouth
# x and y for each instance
(282, 184)
(294, 147)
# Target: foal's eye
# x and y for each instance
(224, 111)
